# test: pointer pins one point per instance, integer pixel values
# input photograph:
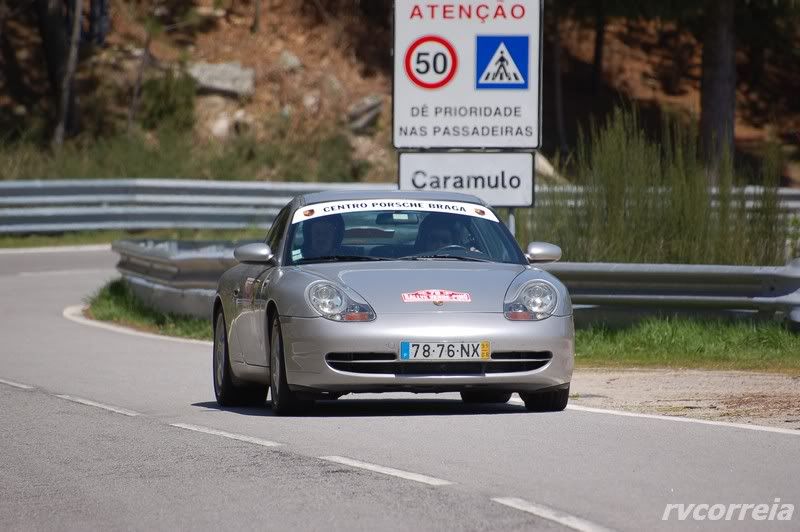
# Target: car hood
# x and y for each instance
(458, 286)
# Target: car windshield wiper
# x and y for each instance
(340, 258)
(438, 256)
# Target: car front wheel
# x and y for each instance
(284, 400)
(548, 401)
(225, 389)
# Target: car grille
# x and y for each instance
(387, 364)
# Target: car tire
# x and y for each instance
(550, 401)
(477, 397)
(284, 401)
(225, 389)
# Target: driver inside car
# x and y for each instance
(322, 237)
(435, 233)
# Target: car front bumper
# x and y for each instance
(307, 341)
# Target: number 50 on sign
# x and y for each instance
(431, 62)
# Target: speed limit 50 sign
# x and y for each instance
(467, 74)
(431, 62)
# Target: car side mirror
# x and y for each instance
(541, 252)
(258, 253)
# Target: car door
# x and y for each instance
(259, 277)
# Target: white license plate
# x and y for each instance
(437, 351)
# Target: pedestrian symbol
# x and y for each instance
(502, 62)
(501, 69)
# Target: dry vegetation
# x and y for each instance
(344, 52)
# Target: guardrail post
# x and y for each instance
(793, 316)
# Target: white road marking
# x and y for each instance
(416, 477)
(55, 249)
(230, 435)
(557, 516)
(760, 428)
(75, 313)
(124, 412)
(16, 384)
(660, 417)
(64, 272)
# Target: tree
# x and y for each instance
(256, 27)
(69, 73)
(718, 84)
(151, 27)
(767, 29)
(552, 22)
(50, 14)
(595, 14)
(599, 44)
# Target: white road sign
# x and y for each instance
(467, 74)
(500, 179)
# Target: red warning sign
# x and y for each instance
(431, 62)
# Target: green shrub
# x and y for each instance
(794, 237)
(168, 101)
(649, 201)
(335, 160)
(117, 303)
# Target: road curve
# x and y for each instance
(100, 429)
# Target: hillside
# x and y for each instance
(313, 63)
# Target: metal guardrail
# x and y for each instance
(174, 277)
(181, 277)
(606, 290)
(45, 206)
(73, 205)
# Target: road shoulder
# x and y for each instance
(731, 396)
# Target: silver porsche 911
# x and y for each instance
(391, 291)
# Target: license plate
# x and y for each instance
(437, 351)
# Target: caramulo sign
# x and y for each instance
(467, 74)
(500, 179)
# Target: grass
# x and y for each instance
(655, 343)
(103, 237)
(115, 302)
(169, 152)
(647, 200)
(684, 343)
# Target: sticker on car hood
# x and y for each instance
(436, 296)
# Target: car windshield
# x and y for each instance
(361, 231)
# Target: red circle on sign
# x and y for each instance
(410, 71)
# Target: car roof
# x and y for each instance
(349, 195)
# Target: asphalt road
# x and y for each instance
(88, 441)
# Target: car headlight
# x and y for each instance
(536, 300)
(334, 304)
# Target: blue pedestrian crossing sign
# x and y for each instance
(503, 62)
